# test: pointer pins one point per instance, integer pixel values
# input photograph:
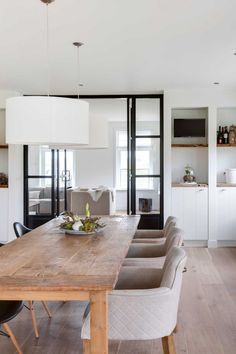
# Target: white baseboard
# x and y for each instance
(228, 243)
(212, 243)
(195, 243)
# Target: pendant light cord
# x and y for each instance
(47, 50)
(78, 45)
(78, 73)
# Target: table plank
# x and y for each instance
(46, 260)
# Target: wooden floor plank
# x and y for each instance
(206, 320)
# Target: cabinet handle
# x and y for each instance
(200, 190)
(223, 190)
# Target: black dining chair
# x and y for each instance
(9, 310)
(21, 230)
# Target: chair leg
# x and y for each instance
(31, 307)
(86, 346)
(168, 345)
(13, 338)
(45, 305)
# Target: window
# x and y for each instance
(46, 161)
(144, 160)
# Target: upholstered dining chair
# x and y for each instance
(157, 240)
(21, 230)
(9, 310)
(153, 235)
(144, 304)
(153, 255)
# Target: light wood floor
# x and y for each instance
(207, 315)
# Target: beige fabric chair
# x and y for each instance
(154, 234)
(153, 255)
(144, 304)
(156, 240)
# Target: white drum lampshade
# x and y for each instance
(47, 120)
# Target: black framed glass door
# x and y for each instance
(46, 179)
(146, 160)
(132, 166)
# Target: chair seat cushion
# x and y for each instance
(154, 262)
(157, 241)
(9, 309)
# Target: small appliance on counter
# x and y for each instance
(189, 175)
(230, 175)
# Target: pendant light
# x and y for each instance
(47, 120)
(98, 126)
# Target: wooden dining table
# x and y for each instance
(47, 264)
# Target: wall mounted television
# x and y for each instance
(189, 127)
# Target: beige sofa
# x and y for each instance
(77, 199)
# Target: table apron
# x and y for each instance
(45, 295)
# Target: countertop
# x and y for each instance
(221, 184)
(189, 185)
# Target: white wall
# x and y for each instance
(15, 169)
(212, 99)
(197, 158)
(225, 158)
(14, 165)
(94, 167)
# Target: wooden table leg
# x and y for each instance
(99, 322)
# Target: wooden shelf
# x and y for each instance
(3, 185)
(3, 146)
(199, 145)
(188, 145)
(226, 145)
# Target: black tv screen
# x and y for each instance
(189, 128)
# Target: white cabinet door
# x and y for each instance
(178, 206)
(189, 213)
(190, 206)
(201, 218)
(4, 214)
(226, 213)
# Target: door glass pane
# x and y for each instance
(40, 161)
(40, 196)
(148, 116)
(147, 195)
(107, 167)
(147, 156)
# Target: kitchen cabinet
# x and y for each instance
(190, 206)
(226, 213)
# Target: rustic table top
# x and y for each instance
(46, 259)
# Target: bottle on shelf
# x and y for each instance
(232, 135)
(226, 135)
(219, 136)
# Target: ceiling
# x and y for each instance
(132, 46)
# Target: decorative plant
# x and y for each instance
(78, 223)
(188, 170)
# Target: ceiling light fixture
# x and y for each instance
(45, 120)
(98, 126)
